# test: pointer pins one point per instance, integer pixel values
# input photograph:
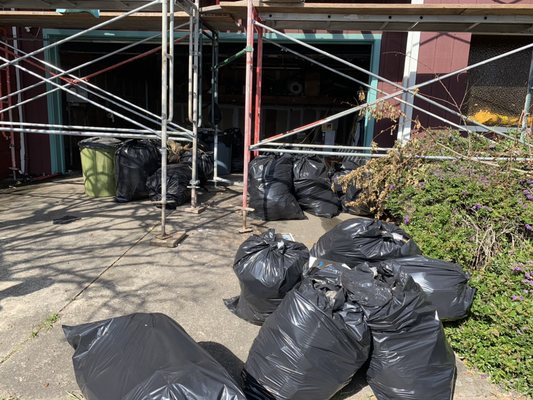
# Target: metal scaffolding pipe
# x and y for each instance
(412, 89)
(18, 81)
(214, 102)
(323, 146)
(92, 128)
(194, 99)
(258, 84)
(12, 147)
(128, 105)
(119, 135)
(171, 60)
(399, 99)
(81, 33)
(75, 94)
(248, 109)
(372, 155)
(527, 104)
(164, 111)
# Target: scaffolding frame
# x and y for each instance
(13, 57)
(257, 20)
(272, 144)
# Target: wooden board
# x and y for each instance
(118, 5)
(144, 21)
(474, 18)
(225, 17)
(239, 7)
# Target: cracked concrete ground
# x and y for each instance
(103, 265)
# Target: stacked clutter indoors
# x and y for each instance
(282, 187)
(363, 299)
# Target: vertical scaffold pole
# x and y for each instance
(248, 110)
(214, 101)
(164, 110)
(258, 80)
(195, 114)
(527, 105)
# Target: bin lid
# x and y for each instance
(102, 143)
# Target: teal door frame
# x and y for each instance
(55, 112)
(55, 109)
(333, 38)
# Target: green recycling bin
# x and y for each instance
(98, 165)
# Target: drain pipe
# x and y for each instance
(19, 108)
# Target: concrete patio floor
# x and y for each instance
(103, 265)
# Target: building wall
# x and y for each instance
(441, 53)
(391, 67)
(37, 146)
(5, 151)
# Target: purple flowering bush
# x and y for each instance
(479, 215)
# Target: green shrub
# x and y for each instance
(479, 215)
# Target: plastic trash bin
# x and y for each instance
(225, 144)
(98, 165)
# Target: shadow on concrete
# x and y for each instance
(23, 288)
(37, 254)
(226, 358)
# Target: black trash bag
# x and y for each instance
(352, 192)
(351, 195)
(444, 283)
(145, 356)
(270, 188)
(178, 180)
(411, 358)
(336, 186)
(360, 239)
(267, 267)
(204, 163)
(135, 161)
(312, 187)
(311, 346)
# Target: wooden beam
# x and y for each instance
(143, 21)
(239, 7)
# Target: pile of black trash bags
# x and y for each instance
(138, 173)
(282, 187)
(367, 301)
(375, 307)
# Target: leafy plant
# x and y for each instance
(477, 212)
